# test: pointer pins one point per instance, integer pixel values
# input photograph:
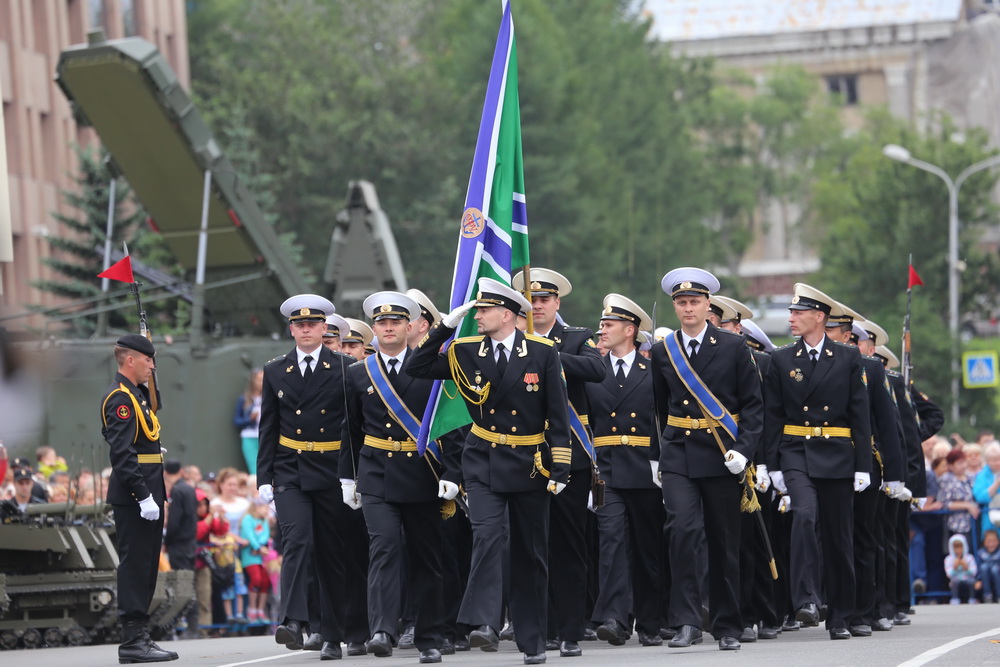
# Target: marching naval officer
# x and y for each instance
(512, 386)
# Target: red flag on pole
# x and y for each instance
(122, 271)
(914, 278)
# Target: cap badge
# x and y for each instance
(608, 310)
(479, 296)
(473, 223)
(303, 311)
(795, 299)
(536, 285)
(385, 308)
(686, 285)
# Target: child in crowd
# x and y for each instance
(961, 570)
(49, 462)
(989, 566)
(256, 530)
(227, 555)
(209, 526)
(272, 561)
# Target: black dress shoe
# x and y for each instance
(507, 634)
(839, 633)
(612, 632)
(538, 659)
(882, 625)
(484, 638)
(330, 651)
(429, 655)
(462, 644)
(900, 619)
(406, 639)
(551, 645)
(289, 634)
(356, 648)
(667, 633)
(790, 625)
(861, 630)
(314, 642)
(569, 650)
(650, 640)
(767, 632)
(729, 644)
(686, 636)
(748, 636)
(807, 615)
(589, 635)
(380, 645)
(447, 647)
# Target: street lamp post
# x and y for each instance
(900, 154)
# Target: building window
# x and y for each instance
(128, 17)
(844, 87)
(95, 14)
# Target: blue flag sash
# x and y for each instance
(580, 432)
(697, 387)
(395, 405)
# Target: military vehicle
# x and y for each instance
(58, 582)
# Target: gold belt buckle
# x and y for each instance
(624, 439)
(310, 445)
(502, 439)
(695, 424)
(817, 431)
(396, 446)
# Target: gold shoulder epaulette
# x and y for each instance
(893, 373)
(468, 339)
(728, 332)
(539, 339)
(274, 360)
(870, 357)
(837, 342)
(360, 362)
(785, 346)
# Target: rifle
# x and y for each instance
(907, 356)
(154, 394)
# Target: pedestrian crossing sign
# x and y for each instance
(979, 369)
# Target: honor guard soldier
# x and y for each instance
(518, 451)
(817, 440)
(337, 329)
(429, 316)
(630, 522)
(871, 529)
(581, 364)
(302, 415)
(359, 338)
(136, 492)
(398, 490)
(707, 394)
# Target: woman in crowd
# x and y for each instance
(247, 418)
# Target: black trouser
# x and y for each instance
(568, 559)
(421, 522)
(826, 505)
(756, 585)
(888, 515)
(311, 527)
(709, 508)
(631, 530)
(138, 542)
(456, 556)
(902, 542)
(866, 552)
(781, 532)
(355, 589)
(529, 531)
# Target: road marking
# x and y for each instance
(270, 657)
(935, 653)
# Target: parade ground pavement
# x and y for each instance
(939, 635)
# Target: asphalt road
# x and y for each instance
(940, 635)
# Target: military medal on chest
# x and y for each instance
(797, 374)
(479, 380)
(531, 381)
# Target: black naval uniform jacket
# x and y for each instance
(885, 420)
(930, 418)
(763, 361)
(130, 481)
(304, 410)
(910, 441)
(726, 366)
(832, 394)
(625, 413)
(582, 364)
(509, 409)
(394, 476)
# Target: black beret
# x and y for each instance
(137, 342)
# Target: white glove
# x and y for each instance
(778, 480)
(655, 466)
(763, 481)
(148, 509)
(862, 480)
(904, 494)
(920, 502)
(447, 490)
(348, 488)
(785, 504)
(266, 493)
(590, 501)
(893, 489)
(735, 462)
(455, 317)
(556, 487)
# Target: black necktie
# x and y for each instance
(392, 368)
(309, 369)
(620, 374)
(693, 345)
(501, 359)
(813, 356)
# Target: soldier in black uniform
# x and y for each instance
(136, 492)
(701, 488)
(817, 440)
(400, 490)
(512, 385)
(302, 415)
(630, 523)
(336, 329)
(581, 363)
(871, 561)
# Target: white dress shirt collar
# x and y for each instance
(629, 359)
